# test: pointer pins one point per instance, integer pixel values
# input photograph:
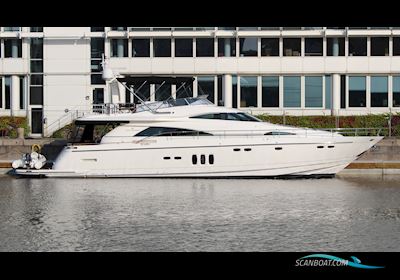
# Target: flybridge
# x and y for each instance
(111, 108)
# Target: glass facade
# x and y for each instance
(162, 92)
(328, 92)
(396, 91)
(379, 46)
(162, 47)
(96, 53)
(357, 46)
(13, 48)
(205, 85)
(36, 77)
(291, 91)
(248, 46)
(226, 47)
(270, 47)
(335, 46)
(396, 46)
(184, 90)
(184, 47)
(7, 92)
(270, 91)
(314, 47)
(313, 91)
(119, 47)
(291, 47)
(379, 91)
(357, 91)
(248, 91)
(141, 48)
(205, 47)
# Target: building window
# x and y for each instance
(343, 94)
(96, 29)
(119, 28)
(335, 46)
(162, 47)
(119, 48)
(36, 48)
(11, 29)
(248, 91)
(143, 91)
(7, 93)
(205, 47)
(206, 86)
(379, 91)
(328, 92)
(37, 66)
(248, 46)
(357, 92)
(313, 91)
(396, 91)
(292, 47)
(98, 96)
(270, 91)
(36, 95)
(226, 47)
(358, 46)
(96, 47)
(37, 120)
(162, 92)
(220, 95)
(291, 91)
(234, 92)
(396, 45)
(13, 48)
(183, 47)
(22, 92)
(270, 47)
(141, 48)
(314, 47)
(379, 46)
(36, 29)
(184, 90)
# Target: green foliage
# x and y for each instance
(9, 125)
(363, 121)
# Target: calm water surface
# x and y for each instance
(339, 214)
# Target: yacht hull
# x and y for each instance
(209, 157)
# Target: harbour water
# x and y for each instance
(338, 214)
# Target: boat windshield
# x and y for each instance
(201, 100)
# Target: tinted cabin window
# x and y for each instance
(228, 116)
(203, 159)
(170, 131)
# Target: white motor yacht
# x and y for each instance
(191, 137)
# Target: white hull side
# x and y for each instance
(298, 156)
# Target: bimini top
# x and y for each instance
(200, 100)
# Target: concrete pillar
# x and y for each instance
(335, 47)
(227, 90)
(335, 94)
(227, 47)
(15, 96)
